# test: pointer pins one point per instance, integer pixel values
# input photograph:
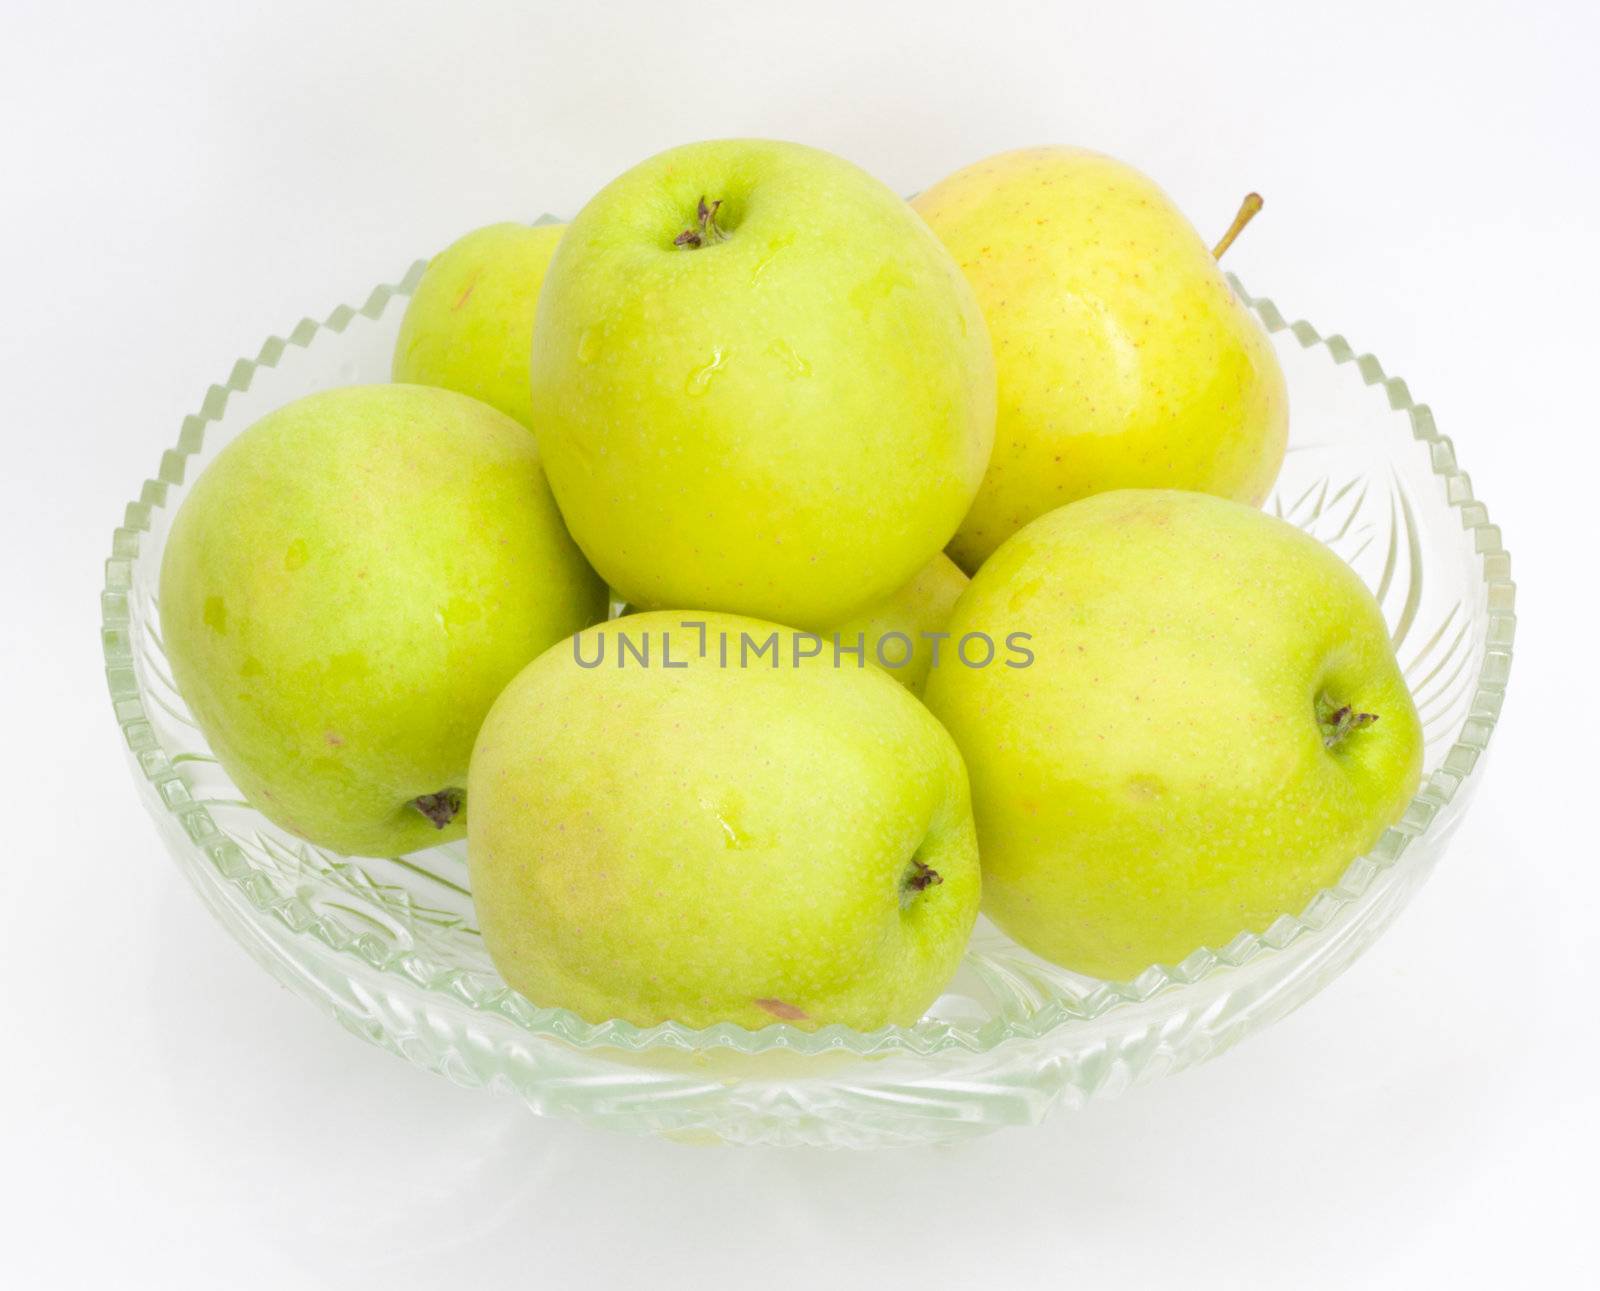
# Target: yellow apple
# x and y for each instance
(469, 326)
(904, 633)
(1123, 358)
(346, 589)
(667, 827)
(1212, 728)
(761, 384)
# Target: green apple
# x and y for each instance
(762, 385)
(715, 835)
(906, 632)
(346, 589)
(1212, 728)
(1124, 358)
(469, 326)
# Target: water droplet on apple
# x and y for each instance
(457, 612)
(773, 248)
(784, 353)
(215, 614)
(1024, 594)
(724, 809)
(700, 378)
(731, 837)
(867, 295)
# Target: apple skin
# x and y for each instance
(922, 606)
(1157, 780)
(345, 591)
(469, 326)
(1124, 359)
(787, 423)
(714, 844)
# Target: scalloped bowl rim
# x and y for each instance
(462, 986)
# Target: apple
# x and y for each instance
(1212, 728)
(666, 826)
(469, 326)
(346, 589)
(762, 386)
(904, 633)
(1124, 359)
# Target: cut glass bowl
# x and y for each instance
(389, 948)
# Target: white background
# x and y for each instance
(177, 181)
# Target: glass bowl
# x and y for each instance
(388, 947)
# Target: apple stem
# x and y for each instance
(708, 229)
(1248, 210)
(441, 808)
